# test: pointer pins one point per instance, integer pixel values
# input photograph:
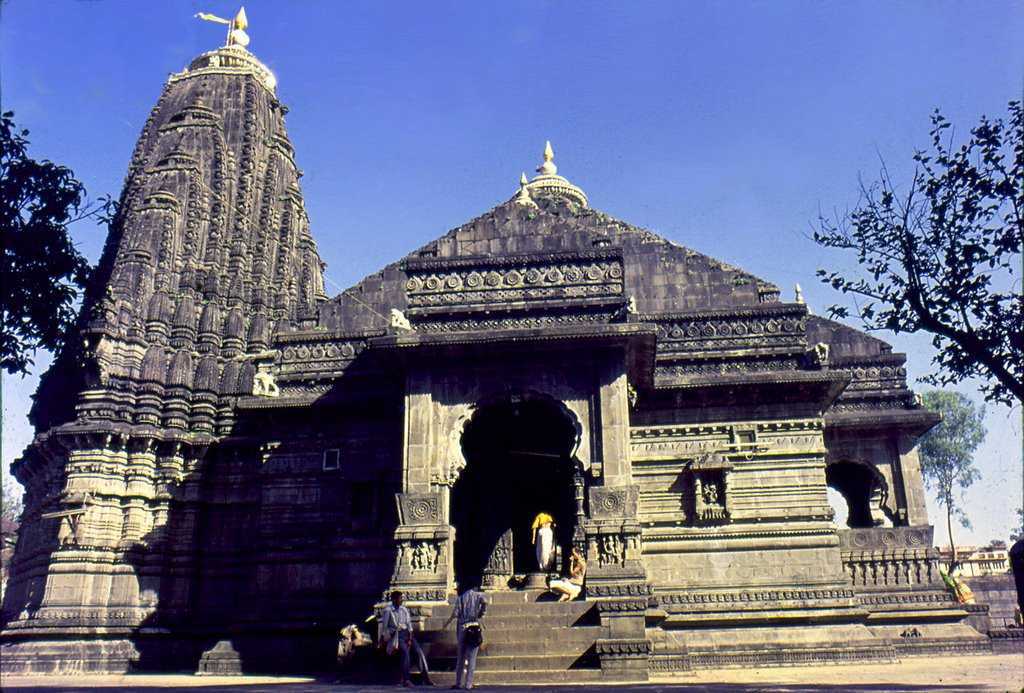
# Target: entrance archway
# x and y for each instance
(862, 488)
(519, 462)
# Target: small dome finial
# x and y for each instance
(548, 168)
(523, 196)
(548, 182)
(799, 294)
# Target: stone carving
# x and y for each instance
(419, 508)
(263, 385)
(523, 322)
(611, 550)
(818, 355)
(424, 557)
(499, 567)
(705, 482)
(613, 502)
(531, 278)
(398, 320)
(718, 330)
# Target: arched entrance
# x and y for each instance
(862, 488)
(519, 462)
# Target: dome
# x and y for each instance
(548, 182)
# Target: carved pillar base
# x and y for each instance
(424, 549)
(220, 660)
(617, 582)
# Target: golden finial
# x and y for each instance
(548, 168)
(236, 27)
(523, 197)
(799, 294)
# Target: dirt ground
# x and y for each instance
(984, 673)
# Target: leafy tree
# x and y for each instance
(11, 510)
(943, 255)
(1018, 533)
(43, 271)
(947, 452)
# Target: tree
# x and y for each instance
(947, 451)
(943, 256)
(1018, 534)
(12, 506)
(43, 271)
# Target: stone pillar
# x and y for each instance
(912, 481)
(614, 423)
(418, 439)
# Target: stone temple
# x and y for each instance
(231, 465)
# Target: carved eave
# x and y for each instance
(911, 422)
(637, 340)
(816, 388)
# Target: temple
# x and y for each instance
(231, 465)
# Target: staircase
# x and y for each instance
(525, 641)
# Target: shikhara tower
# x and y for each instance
(231, 466)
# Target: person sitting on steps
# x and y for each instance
(570, 588)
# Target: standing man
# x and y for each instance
(469, 608)
(396, 630)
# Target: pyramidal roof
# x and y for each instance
(551, 215)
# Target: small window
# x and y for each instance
(332, 459)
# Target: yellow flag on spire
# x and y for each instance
(206, 16)
(236, 26)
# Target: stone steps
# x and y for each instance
(526, 641)
(563, 640)
(443, 679)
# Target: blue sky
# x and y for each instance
(725, 126)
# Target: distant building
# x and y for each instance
(993, 559)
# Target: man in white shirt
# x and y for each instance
(396, 630)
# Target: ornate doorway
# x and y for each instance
(519, 462)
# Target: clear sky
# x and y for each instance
(724, 126)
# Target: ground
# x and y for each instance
(985, 673)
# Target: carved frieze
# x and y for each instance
(782, 327)
(466, 282)
(522, 322)
(314, 356)
(886, 538)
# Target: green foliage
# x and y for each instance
(943, 255)
(947, 451)
(43, 271)
(12, 506)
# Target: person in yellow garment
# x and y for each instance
(544, 541)
(956, 584)
(570, 588)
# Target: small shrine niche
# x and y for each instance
(706, 490)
